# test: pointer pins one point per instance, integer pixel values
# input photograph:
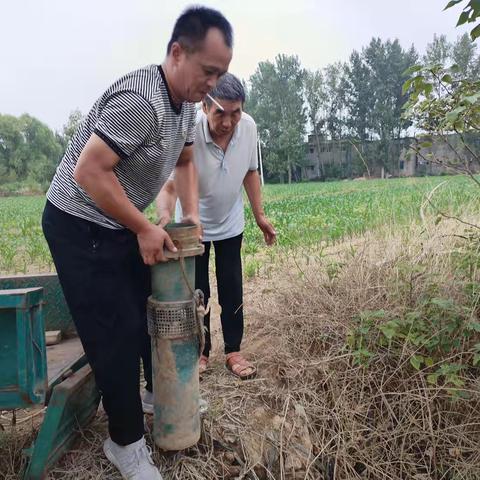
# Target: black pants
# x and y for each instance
(228, 270)
(106, 286)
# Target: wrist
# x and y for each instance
(191, 217)
(259, 216)
(143, 228)
(164, 217)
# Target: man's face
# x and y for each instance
(222, 123)
(199, 71)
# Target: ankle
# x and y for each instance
(129, 446)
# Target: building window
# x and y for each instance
(311, 149)
(402, 164)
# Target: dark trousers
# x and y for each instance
(228, 270)
(106, 286)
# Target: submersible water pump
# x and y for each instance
(175, 324)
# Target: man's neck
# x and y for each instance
(167, 71)
(222, 141)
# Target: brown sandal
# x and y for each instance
(240, 366)
(202, 364)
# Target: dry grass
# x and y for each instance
(313, 413)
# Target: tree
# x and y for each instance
(373, 86)
(442, 106)
(315, 99)
(334, 100)
(387, 63)
(42, 150)
(11, 140)
(276, 101)
(438, 51)
(29, 150)
(357, 85)
(464, 56)
(74, 120)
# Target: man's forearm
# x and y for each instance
(106, 191)
(186, 187)
(166, 202)
(252, 186)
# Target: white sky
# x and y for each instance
(58, 55)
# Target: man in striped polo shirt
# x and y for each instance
(137, 132)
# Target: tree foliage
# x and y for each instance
(445, 101)
(438, 51)
(29, 151)
(359, 102)
(276, 102)
(73, 122)
(374, 99)
(470, 13)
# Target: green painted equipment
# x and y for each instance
(23, 363)
(175, 325)
(33, 374)
(55, 311)
(73, 403)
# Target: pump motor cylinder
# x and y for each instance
(176, 330)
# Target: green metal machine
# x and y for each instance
(33, 375)
(56, 315)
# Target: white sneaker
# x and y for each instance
(134, 461)
(147, 404)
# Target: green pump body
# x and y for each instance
(176, 336)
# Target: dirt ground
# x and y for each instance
(313, 413)
(222, 423)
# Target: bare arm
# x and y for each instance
(165, 202)
(94, 173)
(186, 185)
(251, 183)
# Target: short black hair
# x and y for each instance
(228, 87)
(193, 24)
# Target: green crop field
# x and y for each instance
(303, 214)
(307, 214)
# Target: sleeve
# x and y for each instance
(254, 155)
(191, 129)
(126, 121)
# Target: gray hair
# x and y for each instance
(229, 87)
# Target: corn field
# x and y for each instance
(304, 215)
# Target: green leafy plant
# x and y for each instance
(469, 14)
(439, 336)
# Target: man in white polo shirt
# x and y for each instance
(225, 154)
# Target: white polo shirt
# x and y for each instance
(221, 176)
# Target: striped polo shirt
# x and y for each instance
(137, 118)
